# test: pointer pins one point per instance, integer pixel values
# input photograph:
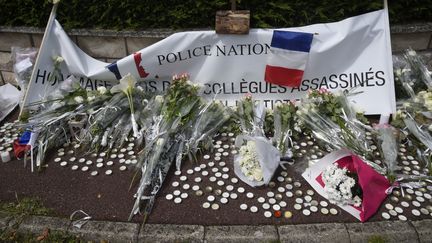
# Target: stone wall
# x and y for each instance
(109, 46)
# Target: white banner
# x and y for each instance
(351, 53)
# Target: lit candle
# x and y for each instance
(5, 157)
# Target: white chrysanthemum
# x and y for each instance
(338, 185)
(249, 163)
(357, 201)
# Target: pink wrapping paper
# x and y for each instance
(373, 184)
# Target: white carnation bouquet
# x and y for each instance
(340, 187)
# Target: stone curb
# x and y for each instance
(389, 231)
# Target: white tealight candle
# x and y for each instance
(5, 157)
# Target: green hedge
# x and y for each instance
(144, 14)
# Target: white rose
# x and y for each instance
(91, 98)
(159, 98)
(102, 90)
(430, 127)
(59, 59)
(398, 72)
(79, 99)
(160, 141)
(257, 174)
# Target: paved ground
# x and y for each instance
(390, 231)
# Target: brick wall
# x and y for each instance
(108, 45)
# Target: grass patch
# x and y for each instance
(21, 209)
(46, 236)
(26, 206)
(377, 239)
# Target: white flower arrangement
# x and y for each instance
(338, 186)
(249, 163)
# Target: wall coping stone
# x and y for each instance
(161, 33)
(393, 231)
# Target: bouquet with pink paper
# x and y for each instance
(347, 181)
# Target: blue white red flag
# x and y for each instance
(288, 58)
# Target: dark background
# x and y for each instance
(176, 14)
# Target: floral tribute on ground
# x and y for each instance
(165, 128)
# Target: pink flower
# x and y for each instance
(184, 76)
(323, 91)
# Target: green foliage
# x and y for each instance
(19, 210)
(25, 206)
(136, 14)
(52, 236)
(377, 239)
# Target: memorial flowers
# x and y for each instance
(341, 186)
(349, 182)
(249, 163)
(258, 158)
(126, 85)
(285, 119)
(333, 120)
(414, 115)
(182, 112)
(251, 116)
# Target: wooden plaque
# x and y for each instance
(233, 22)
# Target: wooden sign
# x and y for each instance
(233, 22)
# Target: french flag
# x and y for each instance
(288, 58)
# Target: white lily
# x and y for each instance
(126, 85)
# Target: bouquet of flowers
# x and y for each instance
(258, 158)
(388, 137)
(342, 186)
(414, 115)
(172, 133)
(115, 118)
(332, 120)
(347, 181)
(210, 119)
(251, 116)
(50, 126)
(284, 117)
(23, 59)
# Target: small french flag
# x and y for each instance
(288, 58)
